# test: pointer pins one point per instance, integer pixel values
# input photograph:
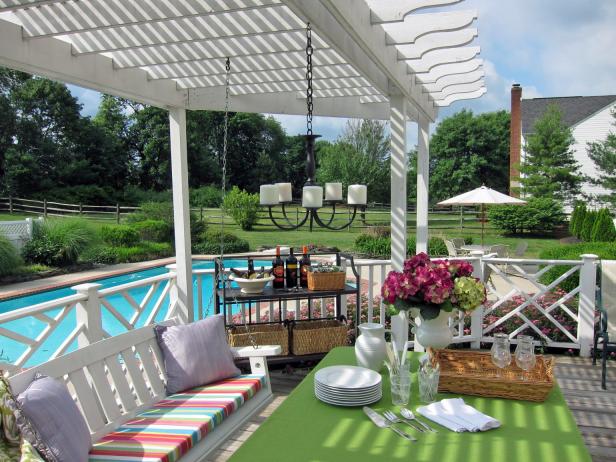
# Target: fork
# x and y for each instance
(393, 418)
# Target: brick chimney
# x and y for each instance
(515, 139)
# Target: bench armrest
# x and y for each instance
(260, 351)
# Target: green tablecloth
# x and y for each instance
(304, 429)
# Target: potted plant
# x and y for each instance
(431, 290)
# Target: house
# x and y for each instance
(589, 118)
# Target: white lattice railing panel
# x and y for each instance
(17, 229)
(137, 304)
(40, 332)
(523, 301)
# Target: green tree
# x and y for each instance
(360, 156)
(603, 228)
(467, 151)
(549, 168)
(603, 154)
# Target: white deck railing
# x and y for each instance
(515, 294)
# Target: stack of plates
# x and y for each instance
(348, 386)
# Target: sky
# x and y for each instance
(550, 47)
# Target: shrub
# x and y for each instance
(539, 215)
(380, 247)
(100, 254)
(587, 225)
(119, 235)
(143, 251)
(577, 217)
(153, 230)
(10, 260)
(603, 228)
(161, 211)
(58, 242)
(605, 250)
(206, 196)
(378, 231)
(209, 243)
(579, 222)
(243, 207)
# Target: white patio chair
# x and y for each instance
(451, 249)
(458, 243)
(520, 249)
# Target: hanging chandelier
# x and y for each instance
(281, 194)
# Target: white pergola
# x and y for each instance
(377, 59)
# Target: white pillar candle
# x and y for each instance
(312, 197)
(285, 192)
(268, 194)
(358, 194)
(333, 191)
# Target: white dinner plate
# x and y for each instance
(349, 390)
(348, 377)
(328, 391)
(362, 402)
(347, 395)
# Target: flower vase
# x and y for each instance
(370, 347)
(400, 329)
(434, 333)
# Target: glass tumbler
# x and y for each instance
(501, 352)
(428, 376)
(400, 383)
(525, 354)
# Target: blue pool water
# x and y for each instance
(32, 328)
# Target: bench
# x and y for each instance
(116, 379)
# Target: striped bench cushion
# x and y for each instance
(172, 426)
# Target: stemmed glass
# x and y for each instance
(525, 354)
(501, 353)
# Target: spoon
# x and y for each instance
(408, 414)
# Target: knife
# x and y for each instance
(381, 422)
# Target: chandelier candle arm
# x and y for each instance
(268, 194)
(358, 194)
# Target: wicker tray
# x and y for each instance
(263, 334)
(326, 281)
(473, 373)
(317, 336)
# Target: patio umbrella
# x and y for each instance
(482, 196)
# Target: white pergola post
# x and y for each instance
(181, 211)
(423, 182)
(398, 167)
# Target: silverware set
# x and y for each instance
(389, 418)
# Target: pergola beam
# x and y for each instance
(52, 58)
(454, 79)
(436, 41)
(459, 88)
(9, 5)
(415, 26)
(384, 11)
(346, 25)
(442, 70)
(439, 57)
(460, 96)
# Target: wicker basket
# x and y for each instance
(473, 373)
(263, 334)
(317, 336)
(326, 281)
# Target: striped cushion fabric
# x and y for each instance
(166, 432)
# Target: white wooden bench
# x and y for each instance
(117, 378)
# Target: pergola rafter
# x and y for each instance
(379, 59)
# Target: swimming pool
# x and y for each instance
(31, 327)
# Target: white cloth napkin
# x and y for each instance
(458, 416)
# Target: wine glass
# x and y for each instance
(500, 352)
(525, 354)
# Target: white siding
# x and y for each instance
(594, 128)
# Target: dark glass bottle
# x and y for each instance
(291, 269)
(251, 268)
(304, 264)
(278, 270)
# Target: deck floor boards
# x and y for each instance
(593, 408)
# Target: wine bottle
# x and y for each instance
(251, 269)
(291, 269)
(239, 273)
(304, 264)
(278, 270)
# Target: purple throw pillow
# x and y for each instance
(59, 424)
(195, 354)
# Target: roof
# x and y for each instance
(171, 53)
(574, 109)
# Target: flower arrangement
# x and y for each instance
(432, 286)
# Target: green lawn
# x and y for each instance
(441, 225)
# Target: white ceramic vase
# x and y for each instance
(436, 332)
(370, 346)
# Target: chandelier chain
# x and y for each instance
(309, 104)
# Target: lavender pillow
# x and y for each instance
(59, 425)
(195, 354)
